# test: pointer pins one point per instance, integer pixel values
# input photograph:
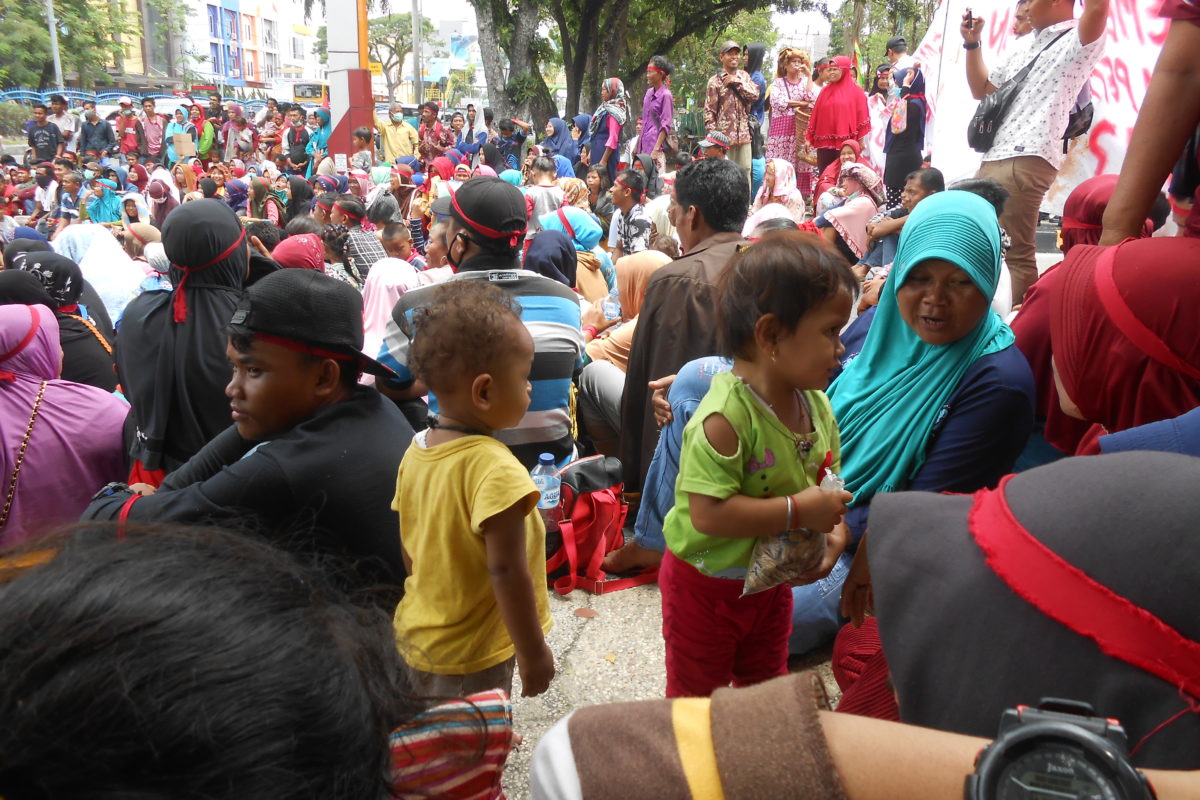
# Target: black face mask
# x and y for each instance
(450, 250)
(44, 180)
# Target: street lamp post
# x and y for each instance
(53, 24)
(418, 87)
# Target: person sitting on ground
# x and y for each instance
(363, 248)
(827, 192)
(468, 508)
(675, 324)
(309, 449)
(485, 223)
(632, 226)
(714, 145)
(884, 229)
(778, 188)
(594, 275)
(60, 439)
(542, 195)
(845, 226)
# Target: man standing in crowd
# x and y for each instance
(727, 101)
(96, 138)
(897, 54)
(295, 141)
(1021, 26)
(1028, 149)
(45, 139)
(658, 111)
(485, 225)
(129, 129)
(154, 128)
(676, 322)
(66, 121)
(311, 457)
(399, 138)
(433, 137)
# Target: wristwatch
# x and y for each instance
(109, 489)
(1059, 750)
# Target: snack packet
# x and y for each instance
(785, 556)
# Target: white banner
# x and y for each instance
(1134, 37)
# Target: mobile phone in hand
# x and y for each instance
(970, 20)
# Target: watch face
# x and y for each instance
(1055, 772)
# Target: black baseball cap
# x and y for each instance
(308, 311)
(491, 208)
(897, 44)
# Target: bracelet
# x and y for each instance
(791, 511)
(590, 330)
(970, 45)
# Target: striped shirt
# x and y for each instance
(551, 313)
(455, 750)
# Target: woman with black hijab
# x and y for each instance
(87, 352)
(18, 247)
(300, 198)
(15, 255)
(208, 187)
(490, 154)
(552, 255)
(171, 357)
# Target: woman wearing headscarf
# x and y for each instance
(237, 194)
(845, 226)
(209, 187)
(300, 197)
(792, 97)
(103, 203)
(551, 254)
(563, 167)
(1057, 434)
(304, 251)
(171, 354)
(134, 209)
(934, 395)
(14, 251)
(105, 266)
(879, 106)
(904, 139)
(851, 153)
(839, 113)
(162, 203)
(263, 204)
(654, 185)
(59, 441)
(184, 177)
(389, 280)
(602, 382)
(87, 353)
(138, 177)
(594, 277)
(206, 144)
(491, 156)
(779, 188)
(558, 141)
(600, 144)
(161, 173)
(318, 141)
(178, 124)
(1125, 347)
(512, 176)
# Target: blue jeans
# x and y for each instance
(816, 618)
(658, 490)
(883, 252)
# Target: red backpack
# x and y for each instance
(594, 512)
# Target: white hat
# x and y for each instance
(125, 100)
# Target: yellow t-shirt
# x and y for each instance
(448, 622)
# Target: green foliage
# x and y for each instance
(13, 117)
(523, 88)
(695, 57)
(88, 37)
(881, 20)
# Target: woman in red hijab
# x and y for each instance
(1124, 335)
(840, 113)
(1060, 434)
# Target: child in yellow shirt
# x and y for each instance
(474, 544)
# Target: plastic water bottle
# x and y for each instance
(545, 477)
(612, 305)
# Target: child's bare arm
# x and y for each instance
(504, 537)
(742, 517)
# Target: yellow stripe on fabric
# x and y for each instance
(693, 737)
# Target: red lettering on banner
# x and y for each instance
(1121, 75)
(1099, 130)
(998, 30)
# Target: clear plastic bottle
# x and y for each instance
(545, 477)
(612, 305)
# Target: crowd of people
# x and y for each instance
(267, 429)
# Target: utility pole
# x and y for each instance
(53, 24)
(418, 87)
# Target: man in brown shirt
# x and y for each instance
(727, 102)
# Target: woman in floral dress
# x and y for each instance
(792, 97)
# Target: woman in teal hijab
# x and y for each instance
(318, 141)
(512, 176)
(936, 397)
(104, 204)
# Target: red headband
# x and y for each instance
(301, 347)
(350, 214)
(663, 72)
(180, 302)
(491, 233)
(641, 194)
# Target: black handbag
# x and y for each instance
(992, 109)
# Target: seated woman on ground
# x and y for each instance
(778, 188)
(845, 226)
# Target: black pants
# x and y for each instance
(825, 157)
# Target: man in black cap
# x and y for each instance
(485, 227)
(311, 459)
(727, 101)
(897, 53)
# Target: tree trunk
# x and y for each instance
(490, 18)
(533, 99)
(855, 25)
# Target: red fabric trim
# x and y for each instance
(124, 515)
(180, 302)
(139, 474)
(301, 347)
(512, 236)
(1067, 595)
(1069, 223)
(29, 334)
(562, 216)
(1127, 322)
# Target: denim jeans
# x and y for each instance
(658, 490)
(883, 252)
(816, 618)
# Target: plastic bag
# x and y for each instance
(785, 556)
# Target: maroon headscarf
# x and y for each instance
(840, 111)
(304, 251)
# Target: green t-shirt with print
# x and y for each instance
(768, 463)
